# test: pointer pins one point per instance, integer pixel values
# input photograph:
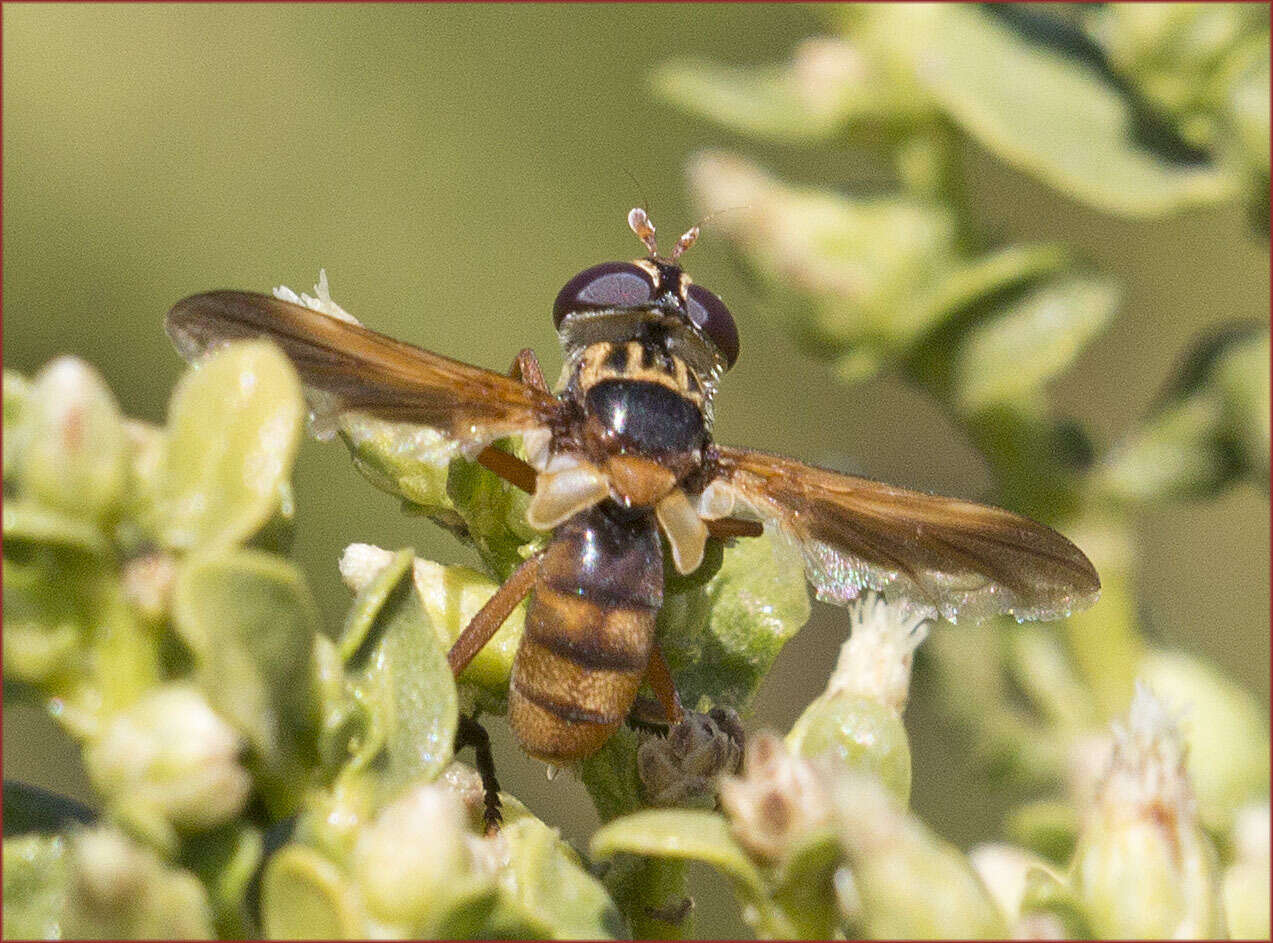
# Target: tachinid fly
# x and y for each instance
(623, 453)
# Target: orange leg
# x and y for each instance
(660, 678)
(727, 527)
(491, 616)
(509, 467)
(526, 369)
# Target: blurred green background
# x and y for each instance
(451, 167)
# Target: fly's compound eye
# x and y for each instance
(710, 316)
(609, 285)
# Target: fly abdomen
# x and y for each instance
(589, 633)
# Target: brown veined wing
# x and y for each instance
(939, 556)
(351, 369)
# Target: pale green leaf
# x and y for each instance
(686, 834)
(1006, 358)
(366, 606)
(405, 684)
(851, 271)
(234, 424)
(26, 521)
(452, 596)
(1242, 376)
(35, 877)
(550, 883)
(305, 897)
(721, 639)
(1174, 454)
(250, 621)
(991, 273)
(1055, 117)
(828, 85)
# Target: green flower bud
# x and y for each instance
(858, 719)
(171, 760)
(74, 454)
(1143, 866)
(121, 890)
(1246, 883)
(405, 860)
(1034, 899)
(906, 882)
(681, 768)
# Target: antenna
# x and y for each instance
(639, 222)
(687, 239)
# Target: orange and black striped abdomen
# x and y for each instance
(589, 633)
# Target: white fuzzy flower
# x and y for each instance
(321, 300)
(876, 660)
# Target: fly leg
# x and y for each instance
(491, 616)
(472, 734)
(660, 678)
(471, 641)
(526, 369)
(725, 528)
(509, 467)
(656, 716)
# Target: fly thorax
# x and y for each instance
(639, 398)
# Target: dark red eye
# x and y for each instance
(710, 315)
(609, 285)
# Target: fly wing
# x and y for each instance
(350, 369)
(939, 556)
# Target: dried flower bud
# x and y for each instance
(172, 758)
(1143, 866)
(778, 799)
(682, 768)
